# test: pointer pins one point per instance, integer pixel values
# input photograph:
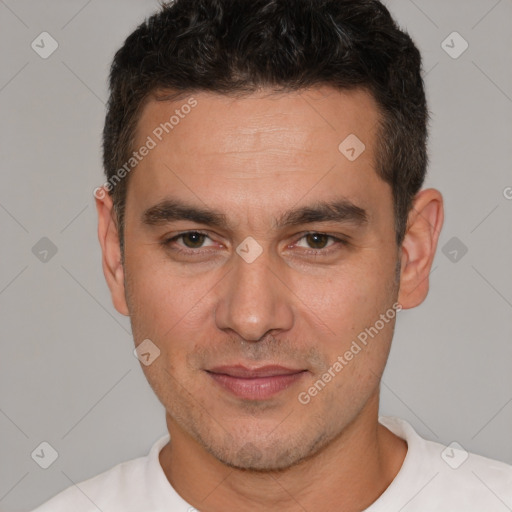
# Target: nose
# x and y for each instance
(253, 299)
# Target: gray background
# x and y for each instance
(68, 375)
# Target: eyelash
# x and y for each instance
(310, 252)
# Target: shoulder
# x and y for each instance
(84, 496)
(123, 487)
(447, 477)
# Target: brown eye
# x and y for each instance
(189, 242)
(320, 244)
(317, 240)
(193, 239)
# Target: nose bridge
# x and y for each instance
(253, 301)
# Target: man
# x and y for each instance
(263, 224)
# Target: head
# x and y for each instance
(264, 161)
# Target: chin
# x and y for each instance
(264, 455)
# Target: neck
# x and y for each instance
(348, 474)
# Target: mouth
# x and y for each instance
(255, 383)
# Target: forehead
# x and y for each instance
(253, 148)
(261, 120)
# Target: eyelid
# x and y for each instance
(337, 239)
(167, 240)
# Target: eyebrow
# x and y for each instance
(341, 211)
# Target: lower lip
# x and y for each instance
(256, 388)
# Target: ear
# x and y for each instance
(111, 251)
(418, 249)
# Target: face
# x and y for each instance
(257, 256)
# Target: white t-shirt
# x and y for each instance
(433, 478)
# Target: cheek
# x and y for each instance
(347, 307)
(161, 302)
(348, 297)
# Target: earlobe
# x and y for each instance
(111, 251)
(424, 225)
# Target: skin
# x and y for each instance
(253, 159)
